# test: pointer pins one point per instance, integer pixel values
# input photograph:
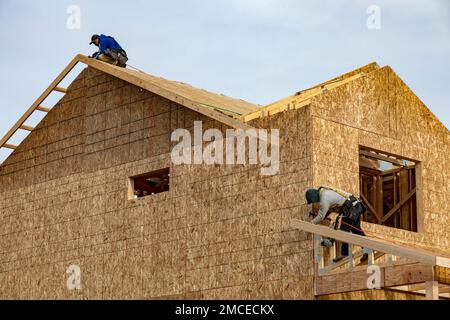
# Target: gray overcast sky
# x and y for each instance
(258, 50)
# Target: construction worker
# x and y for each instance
(110, 50)
(326, 200)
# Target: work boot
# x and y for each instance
(364, 258)
(340, 257)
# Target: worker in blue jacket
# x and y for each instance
(109, 50)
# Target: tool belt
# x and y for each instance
(352, 209)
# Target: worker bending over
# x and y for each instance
(326, 200)
(110, 50)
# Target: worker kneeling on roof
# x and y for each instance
(110, 50)
(326, 200)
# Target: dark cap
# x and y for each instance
(312, 196)
(93, 38)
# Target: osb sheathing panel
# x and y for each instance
(379, 111)
(220, 232)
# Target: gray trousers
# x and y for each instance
(115, 57)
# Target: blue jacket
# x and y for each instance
(107, 42)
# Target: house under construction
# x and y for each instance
(93, 186)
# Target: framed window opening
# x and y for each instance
(390, 187)
(148, 184)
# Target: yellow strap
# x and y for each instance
(341, 193)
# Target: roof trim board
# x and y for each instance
(138, 80)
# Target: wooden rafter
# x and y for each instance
(381, 157)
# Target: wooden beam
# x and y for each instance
(399, 205)
(303, 98)
(371, 209)
(413, 253)
(391, 171)
(387, 153)
(380, 157)
(357, 280)
(432, 290)
(407, 274)
(148, 84)
(39, 100)
(43, 109)
(9, 146)
(27, 128)
(59, 89)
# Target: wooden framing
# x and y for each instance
(136, 78)
(43, 109)
(380, 157)
(399, 205)
(9, 146)
(27, 128)
(59, 89)
(391, 195)
(303, 98)
(36, 105)
(429, 270)
(391, 276)
(412, 253)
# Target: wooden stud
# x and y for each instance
(432, 290)
(419, 198)
(333, 252)
(350, 257)
(27, 128)
(43, 109)
(130, 189)
(9, 146)
(59, 89)
(318, 254)
(390, 259)
(379, 195)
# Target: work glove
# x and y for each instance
(93, 55)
